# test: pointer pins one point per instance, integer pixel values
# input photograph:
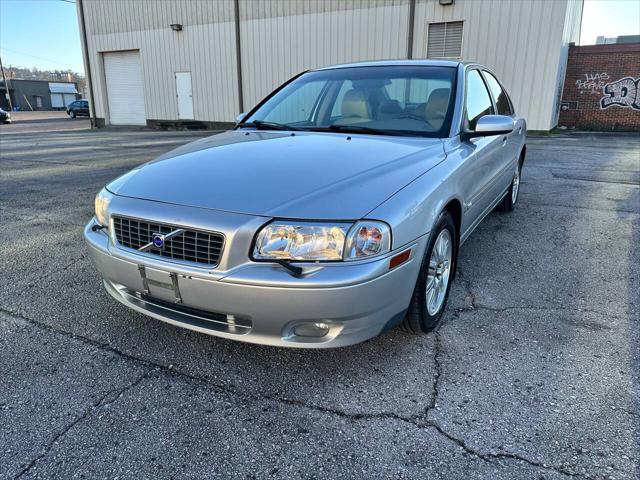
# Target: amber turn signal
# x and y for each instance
(399, 259)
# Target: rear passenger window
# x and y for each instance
(478, 102)
(499, 95)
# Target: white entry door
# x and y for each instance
(125, 88)
(184, 95)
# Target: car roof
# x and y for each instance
(392, 63)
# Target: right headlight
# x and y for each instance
(367, 239)
(320, 241)
(103, 199)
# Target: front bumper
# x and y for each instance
(262, 302)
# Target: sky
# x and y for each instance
(610, 18)
(44, 33)
(41, 33)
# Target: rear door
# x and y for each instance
(482, 163)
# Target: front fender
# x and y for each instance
(413, 211)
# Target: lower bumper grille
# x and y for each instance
(189, 245)
(221, 318)
(194, 317)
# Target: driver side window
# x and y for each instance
(297, 107)
(477, 99)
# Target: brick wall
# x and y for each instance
(602, 88)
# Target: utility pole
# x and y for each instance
(6, 86)
(87, 63)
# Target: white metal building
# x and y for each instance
(207, 60)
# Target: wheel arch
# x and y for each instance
(454, 207)
(523, 153)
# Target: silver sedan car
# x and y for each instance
(332, 212)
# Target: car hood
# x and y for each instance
(278, 174)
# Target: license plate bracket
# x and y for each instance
(159, 279)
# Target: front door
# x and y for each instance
(483, 165)
(184, 95)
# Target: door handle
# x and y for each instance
(504, 141)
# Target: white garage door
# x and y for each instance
(57, 100)
(125, 91)
(69, 98)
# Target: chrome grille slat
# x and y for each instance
(192, 245)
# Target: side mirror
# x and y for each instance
(240, 117)
(492, 125)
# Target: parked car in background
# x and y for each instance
(79, 108)
(5, 117)
(333, 211)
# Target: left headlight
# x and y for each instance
(313, 241)
(103, 198)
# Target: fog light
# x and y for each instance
(315, 329)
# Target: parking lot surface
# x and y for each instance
(43, 121)
(534, 372)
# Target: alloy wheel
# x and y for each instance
(439, 271)
(515, 187)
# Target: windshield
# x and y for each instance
(390, 100)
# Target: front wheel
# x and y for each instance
(72, 114)
(434, 280)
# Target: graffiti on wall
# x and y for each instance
(593, 83)
(623, 93)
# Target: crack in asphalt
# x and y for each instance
(437, 371)
(420, 421)
(585, 178)
(476, 306)
(30, 284)
(103, 401)
(580, 207)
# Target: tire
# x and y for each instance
(425, 310)
(508, 203)
(72, 114)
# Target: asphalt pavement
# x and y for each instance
(534, 372)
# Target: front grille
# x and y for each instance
(192, 245)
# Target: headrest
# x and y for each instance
(354, 104)
(390, 107)
(438, 102)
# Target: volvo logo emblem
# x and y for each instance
(158, 240)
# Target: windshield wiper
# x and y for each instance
(262, 125)
(293, 269)
(362, 129)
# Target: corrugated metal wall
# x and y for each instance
(522, 41)
(519, 40)
(205, 47)
(274, 48)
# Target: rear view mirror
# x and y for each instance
(492, 125)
